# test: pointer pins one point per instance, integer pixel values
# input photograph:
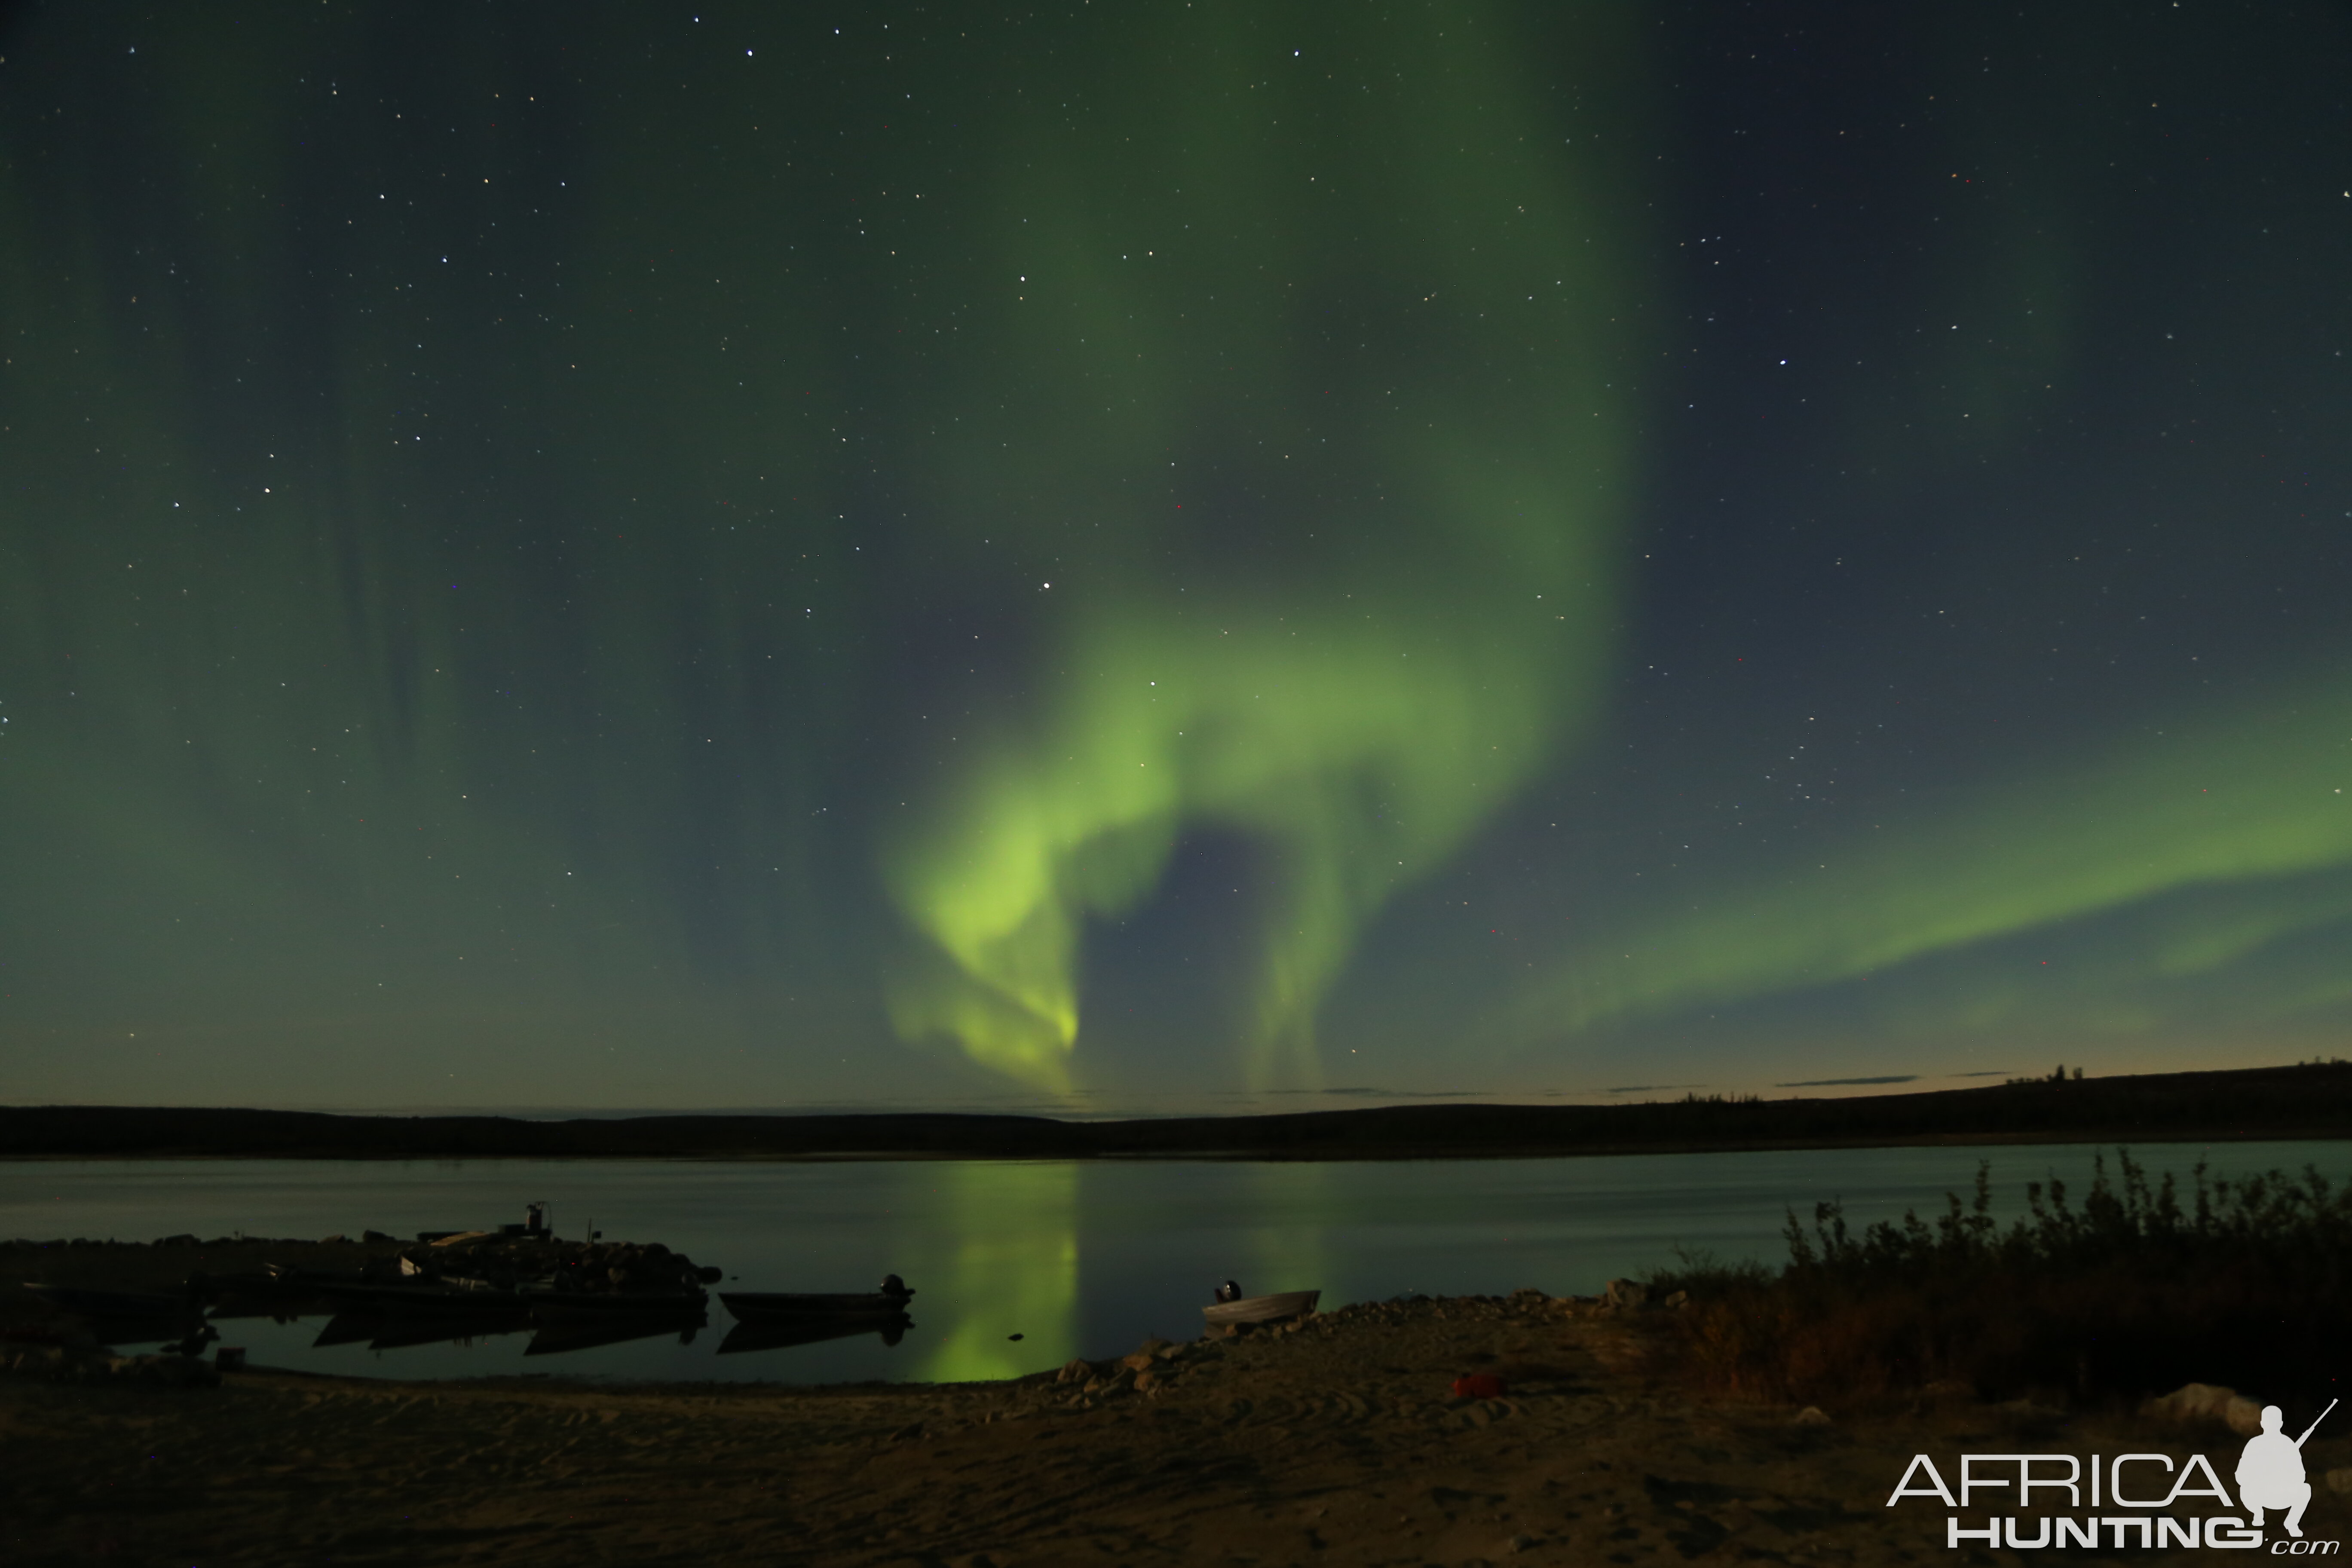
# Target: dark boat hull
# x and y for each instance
(1263, 1309)
(783, 1333)
(762, 1307)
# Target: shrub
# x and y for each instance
(2129, 1292)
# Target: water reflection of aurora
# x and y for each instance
(1001, 1250)
(1007, 1263)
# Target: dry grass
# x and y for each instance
(2129, 1292)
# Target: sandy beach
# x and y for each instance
(1337, 1441)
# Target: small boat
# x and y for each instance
(772, 1306)
(752, 1306)
(783, 1333)
(1233, 1307)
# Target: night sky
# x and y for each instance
(1137, 555)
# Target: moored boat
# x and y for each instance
(784, 1333)
(784, 1306)
(1235, 1308)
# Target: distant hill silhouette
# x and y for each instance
(2313, 1101)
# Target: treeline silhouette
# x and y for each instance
(2309, 1100)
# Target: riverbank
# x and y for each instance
(1339, 1442)
(2308, 1101)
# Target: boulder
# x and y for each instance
(1811, 1415)
(2190, 1402)
(2208, 1402)
(1074, 1372)
(1625, 1295)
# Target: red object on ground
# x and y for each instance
(1478, 1385)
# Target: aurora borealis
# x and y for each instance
(1163, 555)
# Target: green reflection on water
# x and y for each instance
(1012, 1268)
(1294, 1205)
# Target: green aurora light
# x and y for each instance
(1128, 557)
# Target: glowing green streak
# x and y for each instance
(1014, 1270)
(1289, 1241)
(2248, 797)
(1362, 760)
(1425, 627)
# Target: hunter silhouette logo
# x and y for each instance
(2270, 1472)
(2270, 1476)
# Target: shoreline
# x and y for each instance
(2311, 1101)
(1338, 1441)
(2111, 1138)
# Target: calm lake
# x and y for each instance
(1074, 1258)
